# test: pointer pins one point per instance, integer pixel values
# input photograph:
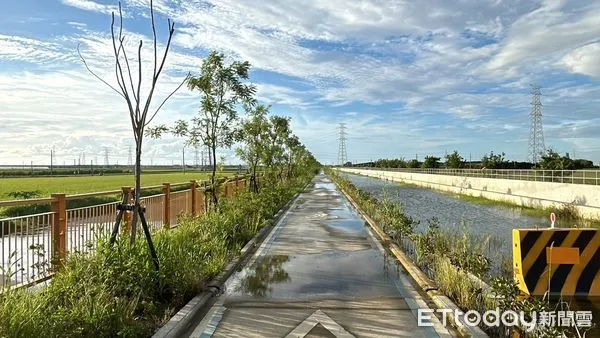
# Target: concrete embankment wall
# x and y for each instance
(586, 198)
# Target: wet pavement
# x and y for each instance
(320, 273)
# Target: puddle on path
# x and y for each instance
(337, 275)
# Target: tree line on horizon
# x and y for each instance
(550, 160)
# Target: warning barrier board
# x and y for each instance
(562, 262)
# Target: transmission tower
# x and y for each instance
(130, 157)
(196, 157)
(105, 156)
(536, 133)
(342, 154)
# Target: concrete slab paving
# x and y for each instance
(320, 273)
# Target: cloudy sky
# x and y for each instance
(409, 78)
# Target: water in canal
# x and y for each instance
(452, 213)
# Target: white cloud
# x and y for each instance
(92, 6)
(584, 60)
(16, 48)
(547, 33)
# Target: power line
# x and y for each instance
(536, 132)
(342, 153)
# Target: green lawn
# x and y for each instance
(85, 184)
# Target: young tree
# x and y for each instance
(254, 135)
(222, 89)
(275, 157)
(431, 162)
(130, 90)
(292, 144)
(454, 161)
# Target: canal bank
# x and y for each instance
(322, 273)
(532, 194)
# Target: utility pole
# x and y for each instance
(52, 161)
(342, 154)
(536, 132)
(196, 158)
(183, 158)
(106, 157)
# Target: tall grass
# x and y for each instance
(117, 292)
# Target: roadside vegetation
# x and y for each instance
(117, 292)
(460, 263)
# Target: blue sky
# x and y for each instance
(409, 78)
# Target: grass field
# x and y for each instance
(87, 184)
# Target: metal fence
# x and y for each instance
(558, 176)
(33, 246)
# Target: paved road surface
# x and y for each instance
(320, 273)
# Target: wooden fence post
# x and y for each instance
(167, 205)
(59, 230)
(194, 196)
(225, 188)
(127, 215)
(203, 197)
(230, 189)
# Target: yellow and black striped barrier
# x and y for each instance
(562, 262)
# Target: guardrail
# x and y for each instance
(591, 177)
(32, 246)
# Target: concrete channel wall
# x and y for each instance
(586, 198)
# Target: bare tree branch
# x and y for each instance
(96, 76)
(171, 31)
(155, 79)
(154, 35)
(129, 72)
(118, 69)
(117, 52)
(137, 103)
(166, 99)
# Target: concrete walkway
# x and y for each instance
(320, 273)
